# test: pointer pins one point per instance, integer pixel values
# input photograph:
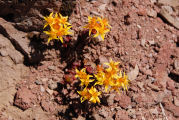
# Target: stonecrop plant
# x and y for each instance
(111, 78)
(59, 26)
(98, 26)
(87, 94)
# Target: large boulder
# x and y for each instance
(20, 41)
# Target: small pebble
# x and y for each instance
(53, 86)
(176, 64)
(156, 30)
(132, 113)
(3, 53)
(51, 67)
(139, 26)
(154, 111)
(150, 55)
(49, 91)
(153, 1)
(44, 79)
(42, 89)
(37, 82)
(95, 13)
(152, 79)
(152, 13)
(143, 42)
(152, 42)
(56, 78)
(110, 99)
(176, 101)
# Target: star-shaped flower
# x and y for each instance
(52, 34)
(49, 20)
(62, 32)
(85, 95)
(94, 95)
(63, 20)
(99, 25)
(84, 77)
(112, 66)
(58, 25)
(92, 24)
(101, 31)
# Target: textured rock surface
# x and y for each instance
(24, 99)
(139, 36)
(19, 40)
(11, 69)
(27, 14)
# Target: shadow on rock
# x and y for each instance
(67, 95)
(67, 7)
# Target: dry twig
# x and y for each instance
(163, 111)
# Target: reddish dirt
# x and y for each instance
(139, 37)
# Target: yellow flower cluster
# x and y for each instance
(99, 25)
(87, 94)
(59, 26)
(111, 78)
(84, 77)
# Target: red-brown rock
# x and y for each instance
(141, 12)
(124, 100)
(122, 115)
(170, 85)
(19, 40)
(47, 106)
(172, 108)
(24, 98)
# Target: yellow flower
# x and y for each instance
(81, 74)
(94, 95)
(84, 77)
(52, 34)
(100, 76)
(58, 25)
(85, 95)
(100, 68)
(92, 24)
(122, 81)
(89, 94)
(107, 82)
(112, 66)
(104, 22)
(49, 20)
(125, 82)
(103, 78)
(63, 20)
(112, 71)
(101, 31)
(101, 26)
(63, 31)
(86, 81)
(116, 83)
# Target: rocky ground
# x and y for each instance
(37, 80)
